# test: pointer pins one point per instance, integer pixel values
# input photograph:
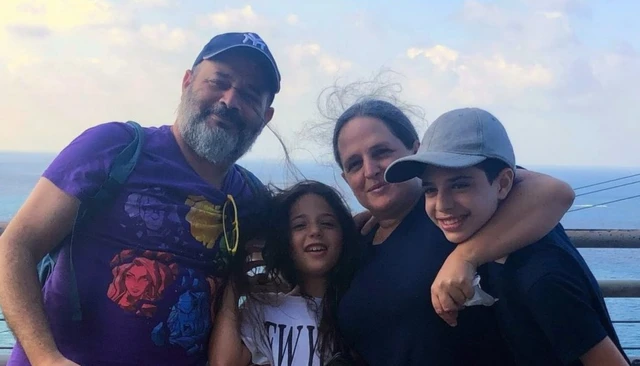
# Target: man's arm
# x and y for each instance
(44, 220)
(534, 207)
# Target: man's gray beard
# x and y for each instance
(214, 144)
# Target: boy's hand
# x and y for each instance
(452, 287)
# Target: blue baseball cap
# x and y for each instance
(226, 41)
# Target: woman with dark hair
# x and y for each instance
(311, 247)
(388, 315)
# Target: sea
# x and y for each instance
(597, 206)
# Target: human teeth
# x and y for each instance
(451, 221)
(316, 249)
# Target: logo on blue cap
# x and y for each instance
(255, 40)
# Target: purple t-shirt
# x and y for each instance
(148, 267)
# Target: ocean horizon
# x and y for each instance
(19, 172)
(608, 208)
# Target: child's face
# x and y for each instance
(461, 201)
(316, 236)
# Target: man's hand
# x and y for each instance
(452, 287)
(57, 360)
(365, 222)
(64, 362)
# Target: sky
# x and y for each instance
(562, 75)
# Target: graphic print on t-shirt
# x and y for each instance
(287, 339)
(153, 216)
(205, 219)
(282, 330)
(190, 318)
(140, 279)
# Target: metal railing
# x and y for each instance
(628, 288)
(611, 239)
(592, 238)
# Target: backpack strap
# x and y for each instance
(121, 167)
(255, 185)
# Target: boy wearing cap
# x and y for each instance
(550, 308)
(140, 284)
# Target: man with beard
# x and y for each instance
(147, 266)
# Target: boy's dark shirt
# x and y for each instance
(550, 307)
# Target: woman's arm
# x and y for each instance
(226, 347)
(534, 207)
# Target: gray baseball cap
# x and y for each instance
(460, 138)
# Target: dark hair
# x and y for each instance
(280, 264)
(252, 227)
(396, 121)
(492, 168)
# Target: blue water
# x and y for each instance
(20, 171)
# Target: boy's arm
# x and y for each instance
(561, 307)
(534, 207)
(226, 347)
(43, 221)
(604, 353)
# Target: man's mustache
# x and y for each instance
(223, 112)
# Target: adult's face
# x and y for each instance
(224, 106)
(366, 148)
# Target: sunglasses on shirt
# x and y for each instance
(230, 225)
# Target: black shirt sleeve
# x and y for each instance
(561, 305)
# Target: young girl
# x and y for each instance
(311, 246)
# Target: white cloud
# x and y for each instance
(572, 7)
(292, 19)
(119, 36)
(299, 51)
(475, 11)
(236, 18)
(16, 61)
(111, 66)
(332, 65)
(155, 36)
(545, 29)
(441, 56)
(164, 38)
(474, 78)
(57, 15)
(518, 76)
(151, 3)
(552, 14)
(329, 64)
(74, 93)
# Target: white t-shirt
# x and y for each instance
(283, 331)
